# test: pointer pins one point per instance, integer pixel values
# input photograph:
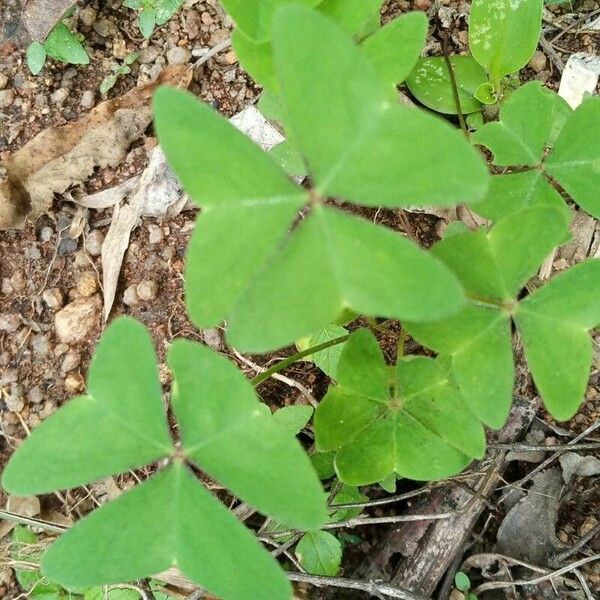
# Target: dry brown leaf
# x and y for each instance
(62, 157)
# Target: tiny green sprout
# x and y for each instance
(462, 581)
(152, 13)
(118, 71)
(61, 44)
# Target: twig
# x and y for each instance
(381, 501)
(358, 521)
(583, 583)
(284, 379)
(223, 45)
(548, 48)
(578, 546)
(557, 448)
(23, 520)
(372, 587)
(493, 585)
(550, 460)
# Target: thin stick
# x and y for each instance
(550, 459)
(23, 520)
(286, 362)
(223, 45)
(287, 380)
(493, 585)
(578, 546)
(372, 587)
(557, 448)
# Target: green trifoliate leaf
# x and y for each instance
(422, 430)
(503, 34)
(165, 9)
(293, 419)
(62, 44)
(355, 17)
(255, 17)
(431, 85)
(369, 150)
(511, 193)
(554, 323)
(168, 520)
(493, 266)
(395, 48)
(224, 431)
(327, 360)
(574, 162)
(36, 57)
(319, 553)
(121, 425)
(346, 262)
(529, 121)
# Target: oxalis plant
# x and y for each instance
(284, 263)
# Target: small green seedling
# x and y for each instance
(170, 518)
(503, 35)
(153, 13)
(118, 71)
(463, 584)
(61, 44)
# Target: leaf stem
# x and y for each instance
(286, 362)
(461, 116)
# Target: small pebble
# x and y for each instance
(146, 290)
(76, 320)
(34, 253)
(40, 344)
(71, 361)
(35, 395)
(46, 234)
(130, 296)
(87, 16)
(59, 96)
(7, 97)
(87, 100)
(9, 322)
(538, 61)
(149, 55)
(14, 399)
(93, 242)
(102, 28)
(52, 298)
(74, 383)
(3, 81)
(155, 234)
(178, 56)
(87, 284)
(213, 339)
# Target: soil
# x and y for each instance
(37, 372)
